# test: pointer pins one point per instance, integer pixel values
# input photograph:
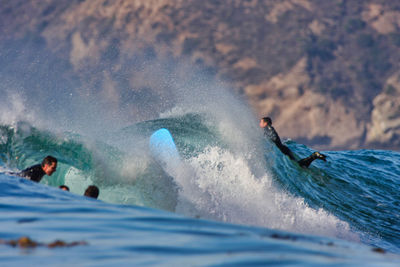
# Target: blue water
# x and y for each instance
(232, 199)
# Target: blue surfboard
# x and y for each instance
(164, 151)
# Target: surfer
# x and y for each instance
(35, 173)
(64, 187)
(269, 131)
(92, 191)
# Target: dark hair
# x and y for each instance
(267, 120)
(48, 160)
(92, 191)
(64, 187)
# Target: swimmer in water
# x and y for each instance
(92, 191)
(64, 187)
(35, 173)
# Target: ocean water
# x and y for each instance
(233, 200)
(226, 197)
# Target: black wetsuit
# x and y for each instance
(270, 132)
(34, 173)
(307, 161)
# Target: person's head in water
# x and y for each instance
(266, 121)
(49, 165)
(92, 191)
(64, 187)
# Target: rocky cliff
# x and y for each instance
(327, 72)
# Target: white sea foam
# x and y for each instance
(223, 188)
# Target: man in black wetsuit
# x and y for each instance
(269, 131)
(36, 172)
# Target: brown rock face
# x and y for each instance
(385, 121)
(310, 116)
(324, 71)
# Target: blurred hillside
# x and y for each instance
(327, 72)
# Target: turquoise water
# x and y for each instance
(234, 199)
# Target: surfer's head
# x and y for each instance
(92, 191)
(49, 165)
(264, 122)
(64, 187)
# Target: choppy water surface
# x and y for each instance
(232, 200)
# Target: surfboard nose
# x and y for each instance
(163, 149)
